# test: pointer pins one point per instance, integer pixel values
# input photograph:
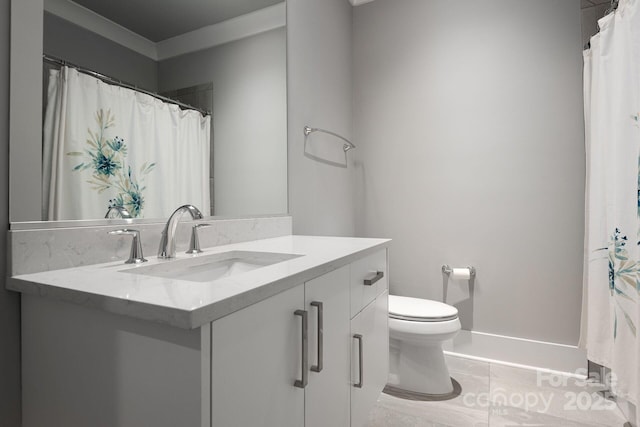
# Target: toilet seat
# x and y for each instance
(420, 310)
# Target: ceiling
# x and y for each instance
(159, 20)
(591, 3)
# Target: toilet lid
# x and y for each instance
(420, 310)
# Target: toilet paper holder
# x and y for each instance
(446, 269)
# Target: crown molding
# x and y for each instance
(253, 23)
(102, 26)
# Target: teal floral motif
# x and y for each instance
(117, 145)
(105, 164)
(107, 160)
(624, 278)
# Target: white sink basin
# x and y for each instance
(205, 268)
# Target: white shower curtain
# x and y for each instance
(611, 309)
(106, 145)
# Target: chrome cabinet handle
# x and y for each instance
(379, 275)
(360, 360)
(302, 383)
(318, 305)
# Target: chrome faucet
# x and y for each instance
(120, 210)
(167, 247)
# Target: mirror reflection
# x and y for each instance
(144, 112)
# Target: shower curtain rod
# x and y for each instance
(612, 7)
(107, 79)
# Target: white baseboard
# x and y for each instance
(519, 352)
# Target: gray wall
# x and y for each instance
(319, 75)
(468, 121)
(9, 301)
(249, 119)
(66, 40)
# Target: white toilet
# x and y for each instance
(417, 329)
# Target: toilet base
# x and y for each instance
(419, 368)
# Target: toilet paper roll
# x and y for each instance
(461, 273)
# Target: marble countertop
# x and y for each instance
(190, 304)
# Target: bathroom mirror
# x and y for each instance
(225, 56)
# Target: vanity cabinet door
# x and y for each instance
(369, 358)
(255, 361)
(327, 394)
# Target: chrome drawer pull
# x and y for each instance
(318, 305)
(302, 383)
(379, 275)
(360, 360)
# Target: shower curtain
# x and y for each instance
(611, 303)
(107, 146)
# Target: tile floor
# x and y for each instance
(495, 395)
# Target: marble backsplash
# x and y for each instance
(35, 250)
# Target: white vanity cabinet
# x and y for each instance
(370, 351)
(328, 388)
(289, 360)
(369, 345)
(257, 356)
(86, 367)
(369, 278)
(258, 362)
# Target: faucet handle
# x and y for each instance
(194, 243)
(119, 210)
(135, 256)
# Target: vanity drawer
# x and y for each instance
(372, 268)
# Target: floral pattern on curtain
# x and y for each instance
(107, 160)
